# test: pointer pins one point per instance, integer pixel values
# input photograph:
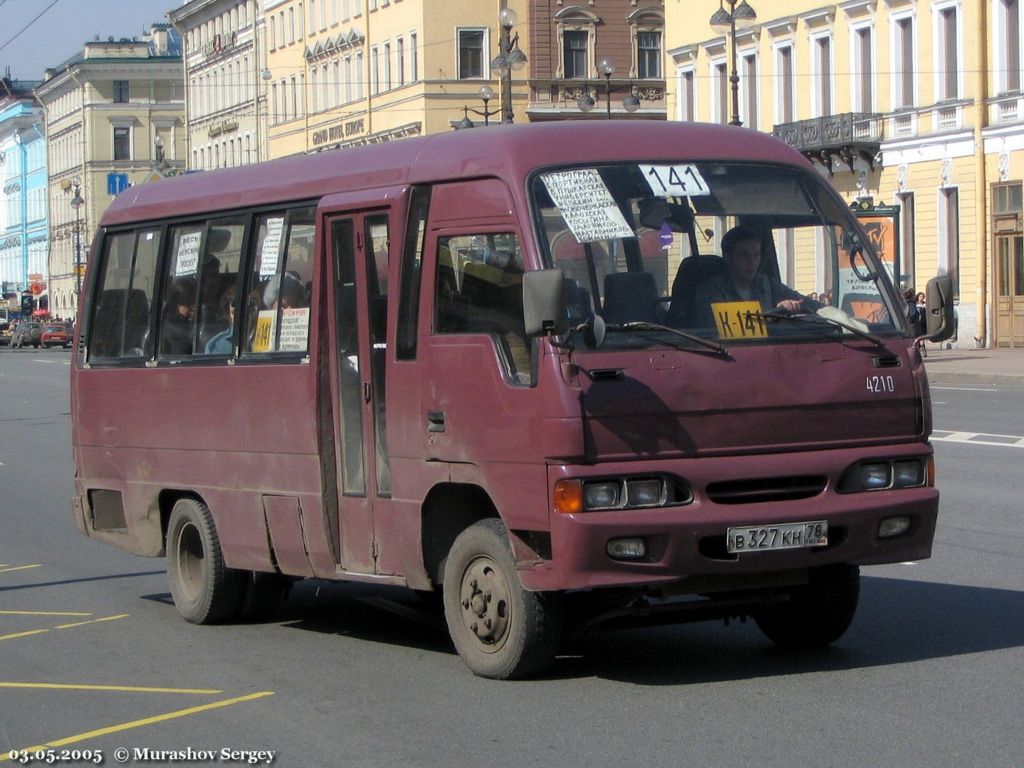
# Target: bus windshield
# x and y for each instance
(733, 252)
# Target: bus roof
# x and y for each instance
(504, 151)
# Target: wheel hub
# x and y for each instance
(484, 598)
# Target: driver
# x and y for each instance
(743, 281)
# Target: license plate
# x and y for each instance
(782, 536)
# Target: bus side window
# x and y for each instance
(218, 287)
(121, 316)
(178, 311)
(278, 306)
(479, 289)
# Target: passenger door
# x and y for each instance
(359, 257)
(1010, 290)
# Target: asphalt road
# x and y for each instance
(93, 655)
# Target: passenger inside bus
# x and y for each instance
(220, 343)
(289, 293)
(179, 317)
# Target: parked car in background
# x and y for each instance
(28, 332)
(55, 335)
(5, 334)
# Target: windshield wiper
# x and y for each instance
(639, 325)
(821, 320)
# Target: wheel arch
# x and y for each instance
(448, 510)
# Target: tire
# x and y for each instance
(500, 630)
(205, 591)
(818, 613)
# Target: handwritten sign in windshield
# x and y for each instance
(586, 205)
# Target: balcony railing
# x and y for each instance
(852, 130)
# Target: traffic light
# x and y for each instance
(26, 303)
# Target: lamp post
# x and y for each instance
(739, 16)
(509, 58)
(606, 67)
(76, 203)
(486, 94)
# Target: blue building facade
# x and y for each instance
(24, 234)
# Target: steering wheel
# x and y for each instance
(864, 277)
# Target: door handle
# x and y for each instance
(435, 421)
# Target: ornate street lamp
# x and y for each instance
(606, 67)
(486, 94)
(739, 16)
(76, 203)
(509, 58)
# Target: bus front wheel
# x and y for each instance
(500, 630)
(205, 591)
(818, 613)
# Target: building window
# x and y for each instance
(400, 60)
(720, 91)
(120, 91)
(471, 53)
(387, 67)
(414, 62)
(822, 74)
(122, 143)
(574, 54)
(648, 55)
(903, 48)
(947, 51)
(749, 81)
(784, 80)
(686, 95)
(1007, 40)
(374, 70)
(864, 73)
(907, 240)
(949, 236)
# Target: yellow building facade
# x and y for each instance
(913, 108)
(348, 72)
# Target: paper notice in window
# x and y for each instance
(294, 329)
(271, 247)
(186, 260)
(586, 205)
(263, 340)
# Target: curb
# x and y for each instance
(989, 379)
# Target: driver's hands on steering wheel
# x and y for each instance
(790, 305)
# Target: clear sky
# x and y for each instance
(54, 30)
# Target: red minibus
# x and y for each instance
(569, 375)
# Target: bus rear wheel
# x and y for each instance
(500, 630)
(205, 591)
(818, 613)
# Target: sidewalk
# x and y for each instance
(984, 367)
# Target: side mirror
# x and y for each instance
(544, 302)
(939, 312)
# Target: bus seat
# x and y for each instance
(630, 297)
(136, 331)
(692, 272)
(578, 306)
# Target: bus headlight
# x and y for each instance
(884, 474)
(605, 494)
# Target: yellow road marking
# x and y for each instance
(118, 688)
(63, 626)
(9, 568)
(44, 613)
(91, 621)
(23, 634)
(140, 723)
